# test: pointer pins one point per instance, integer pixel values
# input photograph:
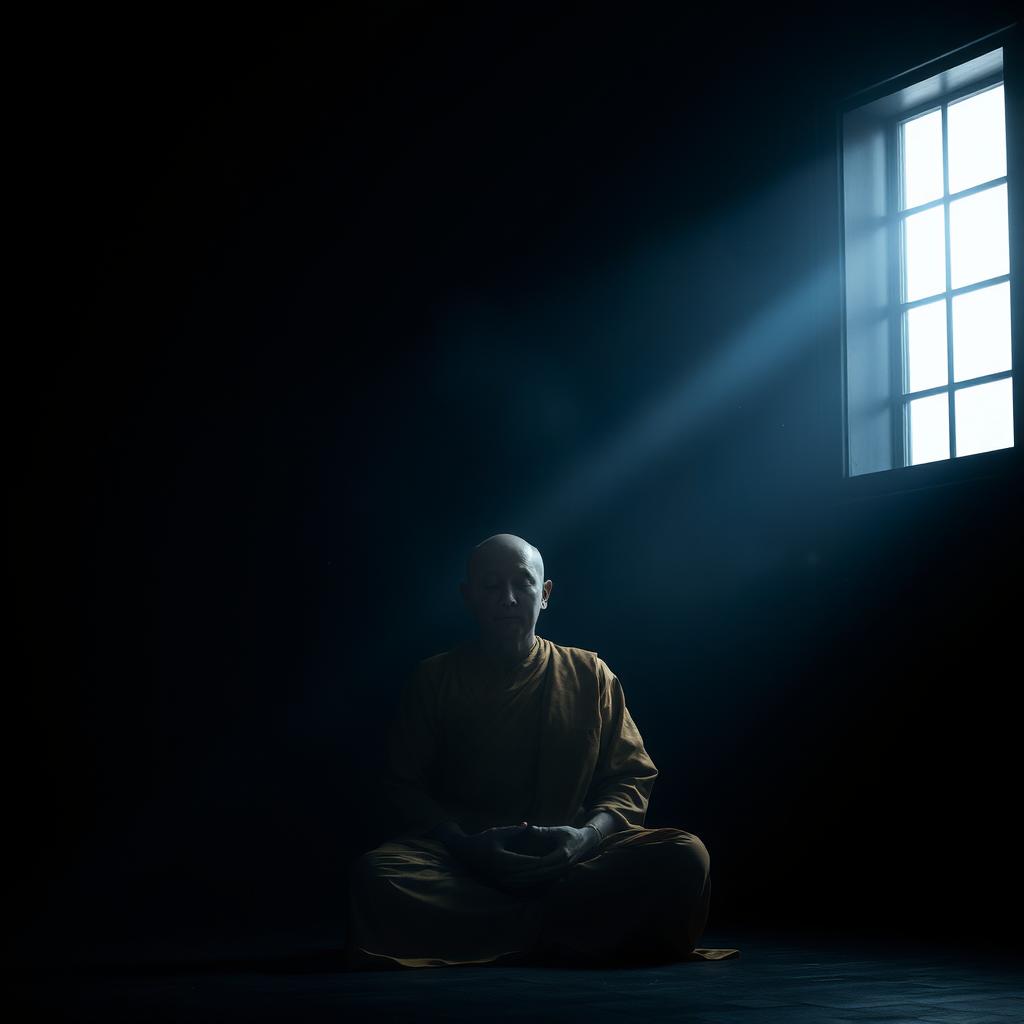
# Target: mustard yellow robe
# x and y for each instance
(549, 741)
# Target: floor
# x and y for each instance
(785, 977)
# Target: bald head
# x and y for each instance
(500, 546)
(505, 591)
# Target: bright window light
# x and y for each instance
(922, 159)
(929, 298)
(984, 417)
(981, 332)
(977, 140)
(926, 362)
(979, 244)
(924, 246)
(961, 142)
(929, 429)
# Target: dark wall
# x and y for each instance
(321, 302)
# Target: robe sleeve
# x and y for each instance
(412, 747)
(625, 773)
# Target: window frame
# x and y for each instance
(900, 398)
(900, 476)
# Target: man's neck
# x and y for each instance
(508, 657)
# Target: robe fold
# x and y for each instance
(549, 741)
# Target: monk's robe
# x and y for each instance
(549, 741)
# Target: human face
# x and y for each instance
(506, 595)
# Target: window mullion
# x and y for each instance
(897, 362)
(949, 282)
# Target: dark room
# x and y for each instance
(515, 512)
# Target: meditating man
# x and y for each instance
(522, 784)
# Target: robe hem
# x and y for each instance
(705, 953)
(423, 961)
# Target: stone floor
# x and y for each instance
(787, 977)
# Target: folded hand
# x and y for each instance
(565, 845)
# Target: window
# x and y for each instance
(931, 283)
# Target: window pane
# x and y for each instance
(978, 241)
(922, 159)
(926, 346)
(929, 429)
(984, 417)
(977, 139)
(924, 248)
(981, 332)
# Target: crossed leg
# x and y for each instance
(642, 896)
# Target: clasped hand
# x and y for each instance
(516, 857)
